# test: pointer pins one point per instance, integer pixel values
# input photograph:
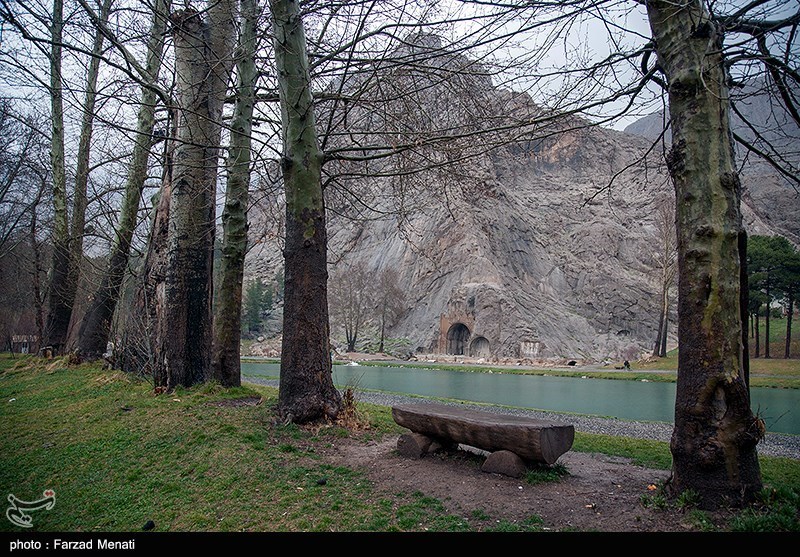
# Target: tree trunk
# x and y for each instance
(80, 201)
(663, 326)
(744, 304)
(59, 309)
(96, 324)
(787, 350)
(383, 327)
(36, 282)
(758, 337)
(68, 255)
(140, 323)
(306, 391)
(202, 66)
(228, 310)
(714, 440)
(665, 310)
(766, 319)
(657, 346)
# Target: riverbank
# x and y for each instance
(767, 373)
(773, 444)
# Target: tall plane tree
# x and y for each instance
(96, 324)
(228, 305)
(203, 61)
(306, 391)
(59, 306)
(714, 441)
(68, 233)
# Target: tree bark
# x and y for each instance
(228, 309)
(202, 65)
(714, 440)
(36, 283)
(657, 346)
(766, 316)
(96, 324)
(744, 305)
(143, 319)
(59, 308)
(306, 391)
(80, 201)
(758, 337)
(663, 351)
(787, 350)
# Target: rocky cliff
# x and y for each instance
(538, 249)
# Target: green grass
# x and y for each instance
(546, 474)
(117, 456)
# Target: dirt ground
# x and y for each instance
(598, 494)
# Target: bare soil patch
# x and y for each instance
(600, 493)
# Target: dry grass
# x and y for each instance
(351, 416)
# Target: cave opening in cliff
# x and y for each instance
(479, 348)
(457, 338)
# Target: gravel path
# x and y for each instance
(774, 444)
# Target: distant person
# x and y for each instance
(626, 365)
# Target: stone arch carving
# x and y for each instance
(479, 348)
(457, 339)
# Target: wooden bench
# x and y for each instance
(529, 440)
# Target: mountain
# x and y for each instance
(540, 249)
(768, 126)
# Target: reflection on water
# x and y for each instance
(626, 400)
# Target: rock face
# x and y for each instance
(542, 249)
(771, 202)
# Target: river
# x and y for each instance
(624, 400)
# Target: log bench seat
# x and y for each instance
(528, 440)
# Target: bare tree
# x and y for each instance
(666, 267)
(228, 305)
(60, 307)
(21, 144)
(390, 299)
(352, 301)
(23, 207)
(96, 324)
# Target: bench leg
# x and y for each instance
(413, 445)
(505, 463)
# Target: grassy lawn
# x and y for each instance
(117, 456)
